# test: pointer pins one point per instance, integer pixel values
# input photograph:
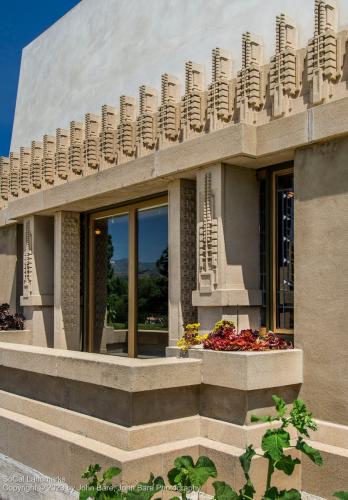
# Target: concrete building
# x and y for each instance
(226, 199)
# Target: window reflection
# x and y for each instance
(152, 281)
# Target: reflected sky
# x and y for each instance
(152, 233)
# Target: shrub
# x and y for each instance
(225, 337)
(10, 321)
(191, 337)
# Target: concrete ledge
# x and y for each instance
(227, 298)
(16, 337)
(137, 436)
(248, 371)
(126, 374)
(58, 452)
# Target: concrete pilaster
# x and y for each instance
(67, 280)
(38, 264)
(182, 256)
(227, 246)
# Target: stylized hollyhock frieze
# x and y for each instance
(4, 179)
(208, 241)
(14, 174)
(127, 128)
(62, 154)
(76, 156)
(27, 260)
(323, 60)
(194, 102)
(147, 121)
(108, 136)
(36, 164)
(250, 84)
(220, 91)
(24, 158)
(284, 72)
(48, 167)
(91, 144)
(169, 112)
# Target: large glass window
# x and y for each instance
(277, 249)
(128, 291)
(284, 251)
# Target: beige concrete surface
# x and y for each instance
(247, 370)
(321, 275)
(16, 337)
(131, 374)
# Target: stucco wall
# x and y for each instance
(321, 276)
(105, 48)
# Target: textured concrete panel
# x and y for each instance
(101, 50)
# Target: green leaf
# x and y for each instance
(311, 453)
(91, 471)
(202, 471)
(274, 441)
(287, 464)
(87, 493)
(342, 495)
(184, 462)
(111, 472)
(301, 418)
(274, 494)
(247, 491)
(145, 491)
(265, 420)
(245, 459)
(223, 491)
(174, 476)
(280, 405)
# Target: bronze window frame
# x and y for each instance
(131, 210)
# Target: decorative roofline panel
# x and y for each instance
(294, 80)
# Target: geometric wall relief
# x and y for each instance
(76, 150)
(48, 167)
(14, 175)
(27, 260)
(188, 255)
(126, 130)
(108, 137)
(291, 82)
(36, 164)
(92, 143)
(24, 161)
(250, 82)
(147, 121)
(208, 241)
(169, 111)
(284, 71)
(220, 91)
(70, 273)
(194, 102)
(4, 180)
(62, 155)
(323, 54)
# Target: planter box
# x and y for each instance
(16, 336)
(247, 371)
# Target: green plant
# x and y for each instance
(102, 488)
(342, 495)
(191, 337)
(187, 476)
(274, 443)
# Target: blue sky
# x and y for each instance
(21, 22)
